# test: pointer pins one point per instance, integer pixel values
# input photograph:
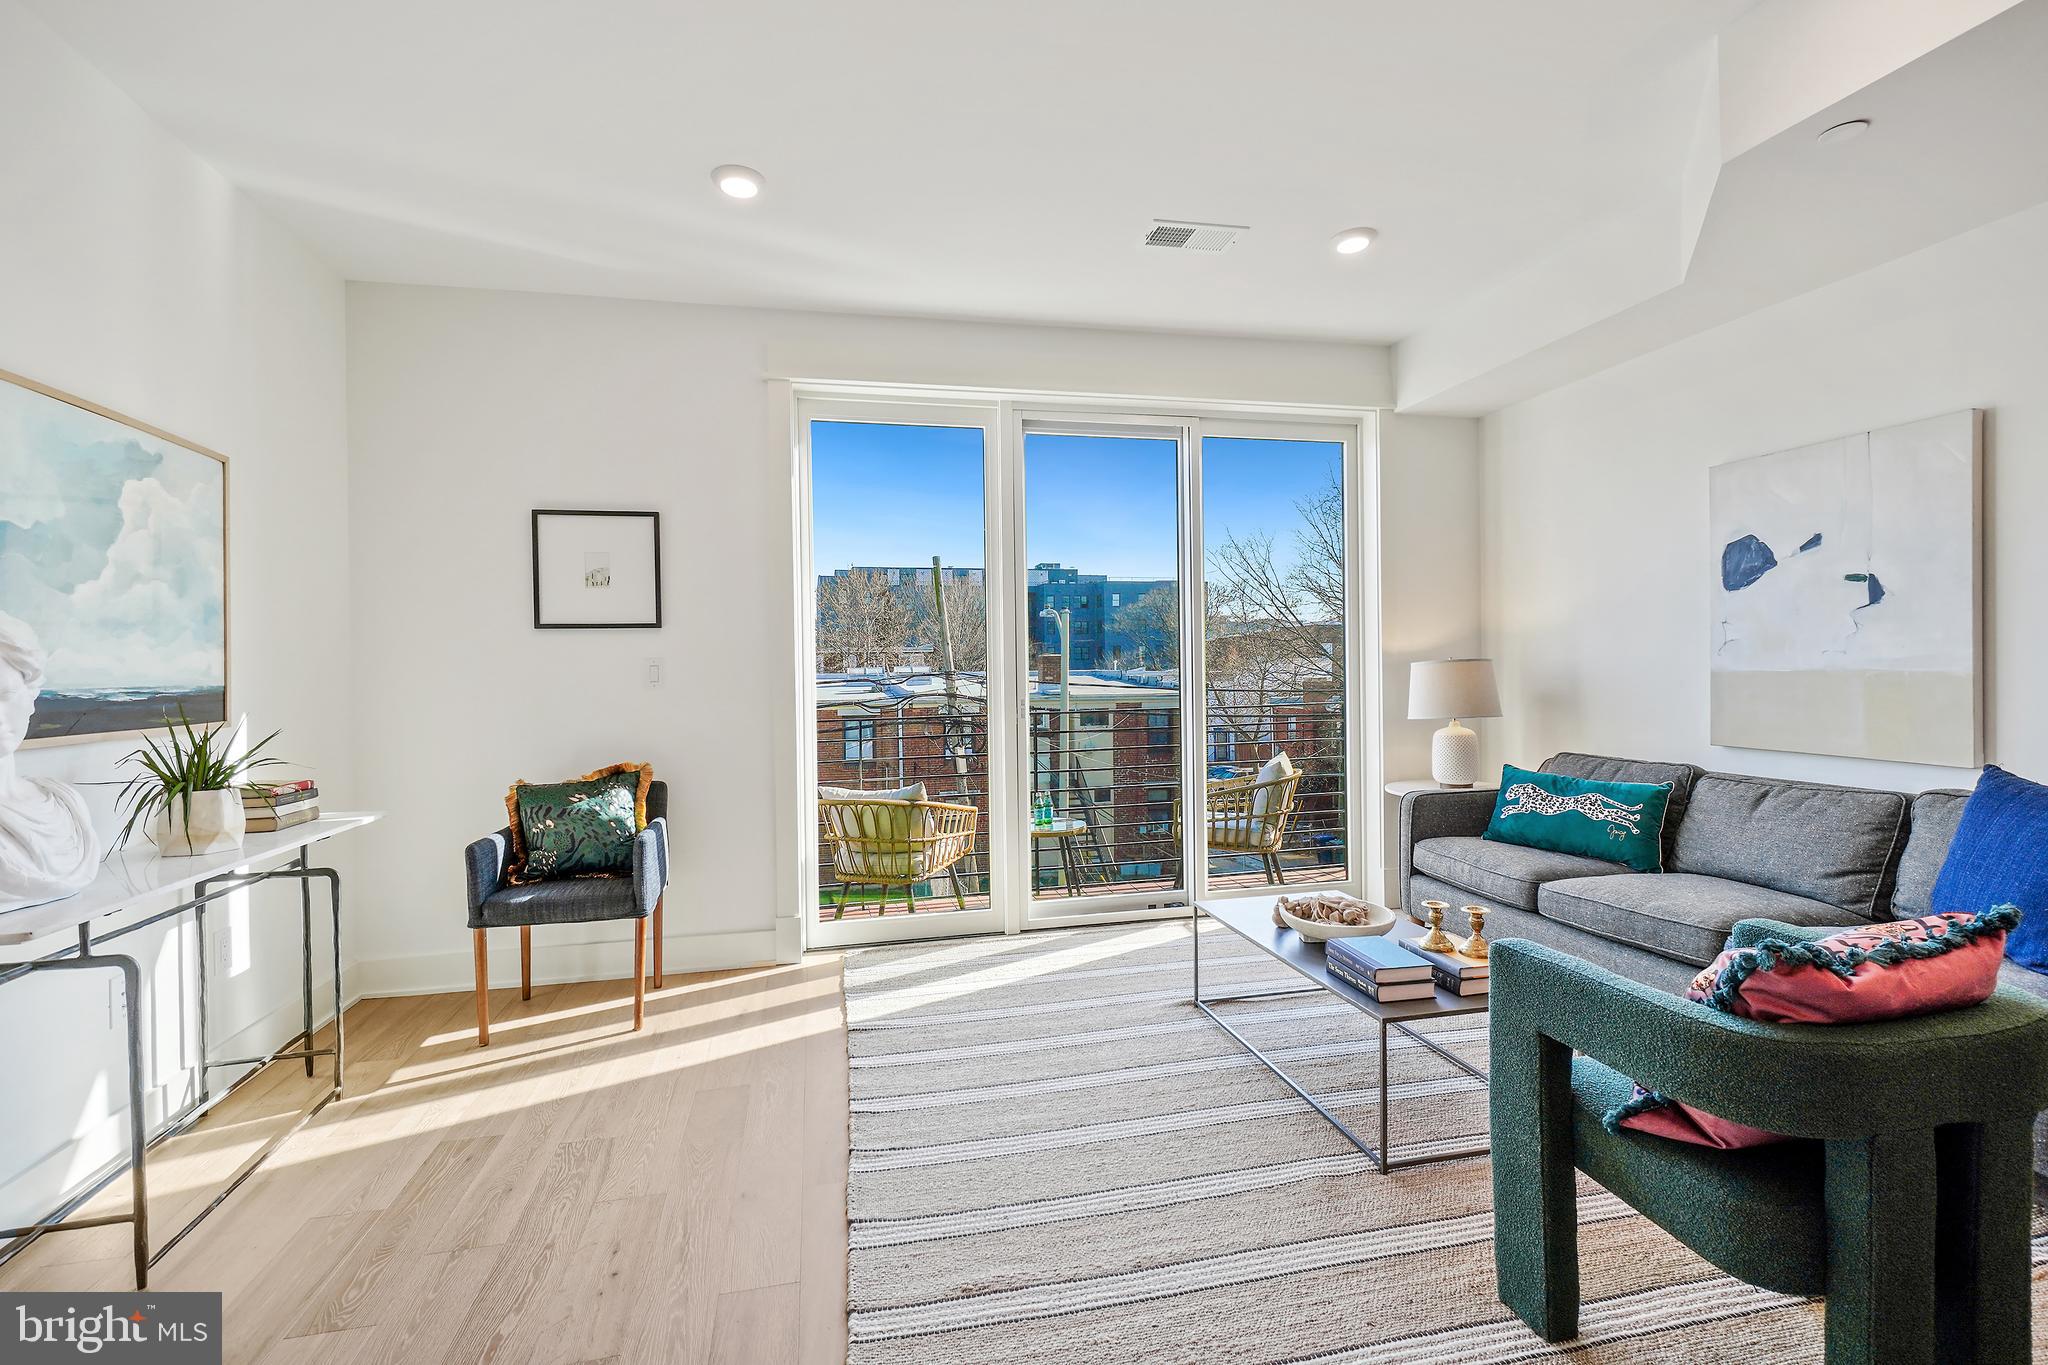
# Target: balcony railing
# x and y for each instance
(1109, 771)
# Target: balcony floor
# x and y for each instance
(1300, 878)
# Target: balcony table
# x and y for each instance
(1066, 829)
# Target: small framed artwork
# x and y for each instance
(596, 570)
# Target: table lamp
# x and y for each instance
(1452, 690)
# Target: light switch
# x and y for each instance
(653, 673)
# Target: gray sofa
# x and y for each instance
(1735, 848)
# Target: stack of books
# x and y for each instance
(1382, 968)
(1457, 973)
(268, 806)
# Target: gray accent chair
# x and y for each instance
(1736, 847)
(495, 904)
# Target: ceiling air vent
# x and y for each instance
(1175, 236)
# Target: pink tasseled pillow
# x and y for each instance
(1881, 971)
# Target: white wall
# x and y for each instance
(1597, 569)
(135, 276)
(1429, 594)
(469, 408)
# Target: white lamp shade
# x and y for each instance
(1452, 689)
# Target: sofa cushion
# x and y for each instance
(1599, 768)
(1677, 915)
(1832, 844)
(579, 900)
(1932, 826)
(1508, 873)
(2031, 982)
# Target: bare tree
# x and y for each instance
(966, 618)
(1300, 607)
(1153, 624)
(863, 621)
(1245, 675)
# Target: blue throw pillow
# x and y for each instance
(1616, 822)
(2000, 857)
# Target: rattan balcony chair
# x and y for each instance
(1247, 816)
(889, 843)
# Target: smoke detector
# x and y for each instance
(1179, 236)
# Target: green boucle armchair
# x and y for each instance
(1906, 1201)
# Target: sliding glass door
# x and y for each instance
(1070, 665)
(900, 521)
(1102, 608)
(1275, 652)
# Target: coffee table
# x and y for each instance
(1251, 919)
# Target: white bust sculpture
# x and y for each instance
(47, 845)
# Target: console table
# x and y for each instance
(138, 881)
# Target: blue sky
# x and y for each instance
(897, 495)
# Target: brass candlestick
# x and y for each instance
(1476, 945)
(1436, 940)
(1422, 916)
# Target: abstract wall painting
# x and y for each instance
(113, 548)
(1846, 596)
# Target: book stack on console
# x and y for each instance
(1382, 968)
(270, 806)
(1457, 973)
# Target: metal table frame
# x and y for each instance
(83, 957)
(1393, 1016)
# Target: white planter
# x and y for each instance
(216, 825)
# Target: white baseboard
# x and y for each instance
(558, 963)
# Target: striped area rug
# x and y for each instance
(1055, 1159)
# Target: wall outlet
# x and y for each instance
(220, 959)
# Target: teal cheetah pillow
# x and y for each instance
(581, 828)
(1616, 822)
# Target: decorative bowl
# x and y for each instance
(1315, 931)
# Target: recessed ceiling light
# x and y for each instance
(740, 182)
(1351, 241)
(1843, 132)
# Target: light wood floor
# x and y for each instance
(575, 1192)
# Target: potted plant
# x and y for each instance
(185, 797)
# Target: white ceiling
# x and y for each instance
(933, 157)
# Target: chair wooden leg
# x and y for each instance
(483, 993)
(526, 962)
(657, 939)
(958, 899)
(910, 897)
(639, 973)
(1279, 872)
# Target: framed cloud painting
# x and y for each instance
(1846, 596)
(113, 549)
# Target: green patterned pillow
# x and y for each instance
(581, 828)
